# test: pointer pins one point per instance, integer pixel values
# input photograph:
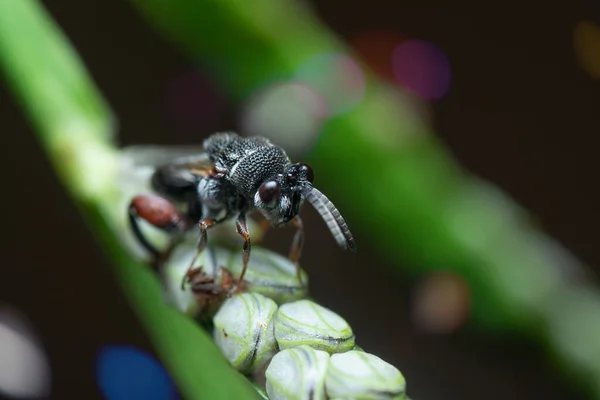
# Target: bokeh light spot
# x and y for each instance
(401, 120)
(441, 303)
(376, 49)
(124, 372)
(289, 113)
(337, 77)
(422, 68)
(587, 47)
(194, 99)
(24, 367)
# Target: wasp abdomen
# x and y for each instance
(157, 211)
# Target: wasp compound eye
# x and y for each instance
(269, 192)
(307, 171)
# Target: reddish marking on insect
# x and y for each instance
(215, 173)
(156, 210)
(207, 171)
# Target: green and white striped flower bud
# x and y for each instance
(304, 322)
(270, 274)
(359, 375)
(297, 374)
(243, 330)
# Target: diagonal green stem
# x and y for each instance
(75, 126)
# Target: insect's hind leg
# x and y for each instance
(160, 213)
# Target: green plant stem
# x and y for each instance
(75, 126)
(423, 207)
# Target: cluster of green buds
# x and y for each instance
(308, 350)
(288, 345)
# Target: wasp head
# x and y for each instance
(279, 199)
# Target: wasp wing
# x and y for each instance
(156, 155)
(139, 162)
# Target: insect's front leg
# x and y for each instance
(160, 213)
(296, 248)
(204, 224)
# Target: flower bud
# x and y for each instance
(360, 375)
(243, 330)
(298, 373)
(305, 322)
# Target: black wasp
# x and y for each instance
(228, 179)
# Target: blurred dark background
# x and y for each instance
(520, 112)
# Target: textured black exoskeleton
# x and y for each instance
(233, 176)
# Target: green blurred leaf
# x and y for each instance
(75, 126)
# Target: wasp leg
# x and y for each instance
(204, 224)
(264, 225)
(159, 212)
(242, 229)
(296, 248)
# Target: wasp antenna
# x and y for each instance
(332, 217)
